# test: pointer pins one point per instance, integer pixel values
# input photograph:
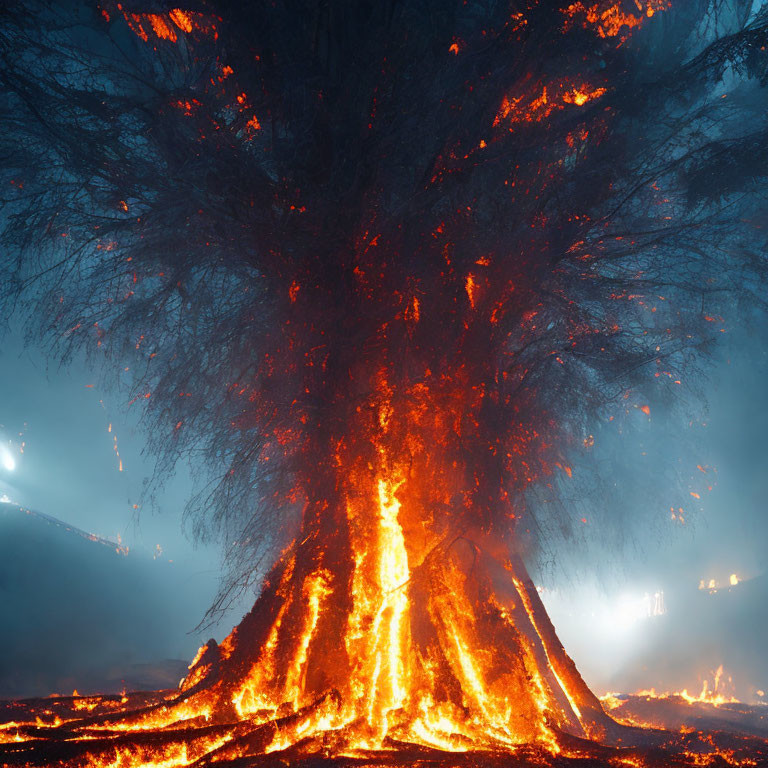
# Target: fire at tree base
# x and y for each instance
(470, 672)
(93, 731)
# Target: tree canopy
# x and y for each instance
(527, 210)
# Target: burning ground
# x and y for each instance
(382, 265)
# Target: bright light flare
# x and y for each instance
(7, 460)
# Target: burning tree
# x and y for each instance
(379, 264)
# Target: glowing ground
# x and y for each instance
(86, 731)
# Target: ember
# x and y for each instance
(384, 266)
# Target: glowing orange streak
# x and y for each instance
(388, 644)
(261, 672)
(541, 688)
(174, 756)
(529, 610)
(393, 574)
(495, 711)
(316, 588)
(471, 676)
(323, 719)
(160, 717)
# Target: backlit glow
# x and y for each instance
(9, 463)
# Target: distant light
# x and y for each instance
(713, 585)
(615, 617)
(630, 609)
(9, 463)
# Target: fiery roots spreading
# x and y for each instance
(370, 650)
(447, 661)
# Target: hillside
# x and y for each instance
(80, 612)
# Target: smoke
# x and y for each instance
(601, 596)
